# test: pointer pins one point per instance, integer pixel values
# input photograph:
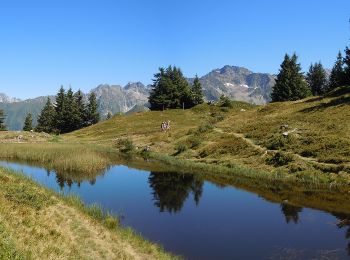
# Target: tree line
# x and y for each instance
(170, 89)
(291, 84)
(70, 112)
(2, 120)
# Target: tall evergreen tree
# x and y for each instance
(81, 109)
(2, 120)
(347, 66)
(336, 79)
(170, 89)
(316, 79)
(197, 93)
(159, 93)
(28, 123)
(46, 119)
(71, 118)
(290, 82)
(92, 115)
(60, 109)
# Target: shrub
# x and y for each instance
(203, 153)
(278, 142)
(195, 142)
(225, 101)
(279, 159)
(180, 148)
(205, 128)
(216, 117)
(126, 145)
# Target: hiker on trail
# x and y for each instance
(165, 126)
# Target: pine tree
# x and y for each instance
(109, 115)
(290, 82)
(170, 89)
(2, 120)
(47, 118)
(60, 109)
(158, 96)
(81, 109)
(71, 118)
(28, 123)
(347, 66)
(317, 79)
(336, 79)
(197, 93)
(92, 115)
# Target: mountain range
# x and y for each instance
(237, 83)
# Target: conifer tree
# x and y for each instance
(290, 82)
(170, 89)
(28, 123)
(60, 109)
(47, 118)
(159, 93)
(109, 115)
(81, 109)
(92, 115)
(197, 93)
(347, 66)
(2, 120)
(71, 116)
(336, 79)
(316, 79)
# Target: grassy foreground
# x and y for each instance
(36, 223)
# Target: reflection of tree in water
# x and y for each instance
(344, 222)
(67, 179)
(291, 212)
(170, 190)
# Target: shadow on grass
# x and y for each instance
(341, 101)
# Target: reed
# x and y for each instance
(58, 156)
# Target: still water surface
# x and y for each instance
(198, 219)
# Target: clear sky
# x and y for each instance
(82, 43)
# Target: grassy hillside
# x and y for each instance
(303, 137)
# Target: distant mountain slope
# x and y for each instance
(111, 98)
(115, 99)
(17, 111)
(235, 82)
(239, 84)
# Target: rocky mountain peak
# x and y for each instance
(6, 99)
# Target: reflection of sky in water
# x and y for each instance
(226, 223)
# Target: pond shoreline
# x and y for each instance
(329, 192)
(21, 194)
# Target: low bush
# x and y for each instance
(180, 148)
(126, 145)
(206, 127)
(195, 142)
(279, 159)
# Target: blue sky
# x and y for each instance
(45, 44)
